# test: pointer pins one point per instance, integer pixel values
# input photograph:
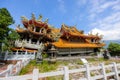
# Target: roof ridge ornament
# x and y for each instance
(97, 34)
(23, 18)
(75, 25)
(46, 21)
(91, 33)
(40, 17)
(101, 36)
(33, 16)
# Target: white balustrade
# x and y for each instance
(14, 69)
(27, 44)
(87, 69)
(19, 55)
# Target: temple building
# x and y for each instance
(73, 41)
(67, 40)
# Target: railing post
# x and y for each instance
(6, 55)
(16, 52)
(116, 71)
(87, 71)
(9, 69)
(26, 52)
(16, 55)
(26, 62)
(18, 67)
(35, 74)
(25, 55)
(103, 71)
(34, 55)
(23, 62)
(66, 73)
(29, 40)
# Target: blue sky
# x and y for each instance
(102, 16)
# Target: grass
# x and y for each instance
(28, 69)
(45, 66)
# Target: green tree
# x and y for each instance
(10, 39)
(114, 49)
(5, 21)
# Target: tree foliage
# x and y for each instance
(114, 48)
(7, 35)
(5, 18)
(5, 21)
(10, 39)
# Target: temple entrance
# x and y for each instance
(96, 50)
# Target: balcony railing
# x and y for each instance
(27, 44)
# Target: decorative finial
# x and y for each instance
(63, 25)
(91, 33)
(75, 25)
(46, 21)
(33, 16)
(101, 36)
(40, 18)
(18, 26)
(24, 18)
(97, 34)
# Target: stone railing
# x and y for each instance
(13, 70)
(17, 55)
(104, 74)
(27, 44)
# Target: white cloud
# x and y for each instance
(81, 2)
(99, 6)
(108, 26)
(116, 7)
(106, 5)
(62, 6)
(107, 34)
(103, 6)
(92, 16)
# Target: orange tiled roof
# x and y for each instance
(71, 30)
(64, 44)
(55, 30)
(74, 32)
(20, 30)
(23, 49)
